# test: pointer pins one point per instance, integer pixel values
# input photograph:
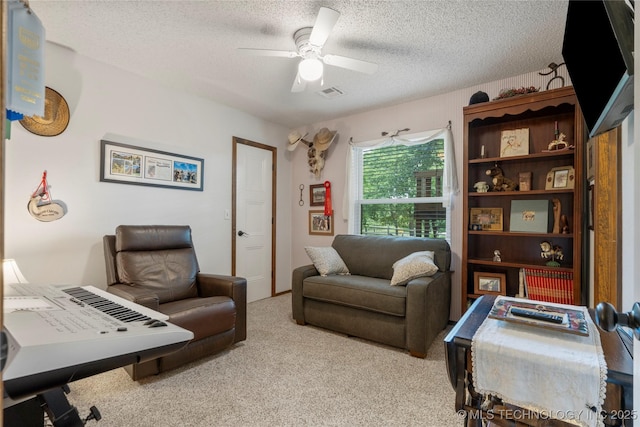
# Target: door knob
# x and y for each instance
(607, 318)
(242, 233)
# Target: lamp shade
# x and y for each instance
(11, 273)
(310, 69)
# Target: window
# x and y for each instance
(398, 189)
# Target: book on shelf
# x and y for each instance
(549, 285)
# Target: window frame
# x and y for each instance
(357, 165)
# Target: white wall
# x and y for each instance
(424, 114)
(109, 103)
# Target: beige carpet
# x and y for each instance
(282, 375)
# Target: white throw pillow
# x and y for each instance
(412, 266)
(326, 260)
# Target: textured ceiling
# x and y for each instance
(423, 48)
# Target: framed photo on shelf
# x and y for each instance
(489, 283)
(485, 219)
(127, 164)
(319, 224)
(524, 181)
(514, 142)
(563, 177)
(317, 193)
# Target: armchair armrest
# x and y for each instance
(210, 285)
(297, 300)
(137, 295)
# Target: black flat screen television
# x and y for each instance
(598, 53)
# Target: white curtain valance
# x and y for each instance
(450, 180)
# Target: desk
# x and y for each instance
(458, 350)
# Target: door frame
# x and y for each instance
(607, 218)
(274, 169)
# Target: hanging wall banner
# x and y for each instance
(328, 208)
(25, 73)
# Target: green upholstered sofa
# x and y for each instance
(365, 305)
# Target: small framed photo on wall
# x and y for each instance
(317, 194)
(319, 224)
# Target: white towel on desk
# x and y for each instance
(557, 374)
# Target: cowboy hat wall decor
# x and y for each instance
(316, 152)
(295, 138)
(323, 139)
(55, 119)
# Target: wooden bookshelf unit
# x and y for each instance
(544, 115)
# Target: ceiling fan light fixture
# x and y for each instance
(310, 69)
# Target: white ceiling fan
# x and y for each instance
(309, 42)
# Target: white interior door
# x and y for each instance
(253, 218)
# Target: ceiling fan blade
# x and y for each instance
(268, 52)
(325, 22)
(299, 84)
(350, 63)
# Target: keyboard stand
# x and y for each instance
(53, 403)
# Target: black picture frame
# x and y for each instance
(128, 164)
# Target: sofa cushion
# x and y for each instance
(367, 293)
(326, 260)
(412, 266)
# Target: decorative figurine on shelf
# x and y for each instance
(564, 224)
(499, 181)
(560, 220)
(497, 256)
(554, 69)
(559, 143)
(552, 252)
(557, 209)
(481, 186)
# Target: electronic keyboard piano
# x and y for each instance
(57, 334)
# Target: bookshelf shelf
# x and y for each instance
(521, 193)
(517, 264)
(543, 236)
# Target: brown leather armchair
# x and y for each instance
(156, 266)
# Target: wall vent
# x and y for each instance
(331, 92)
